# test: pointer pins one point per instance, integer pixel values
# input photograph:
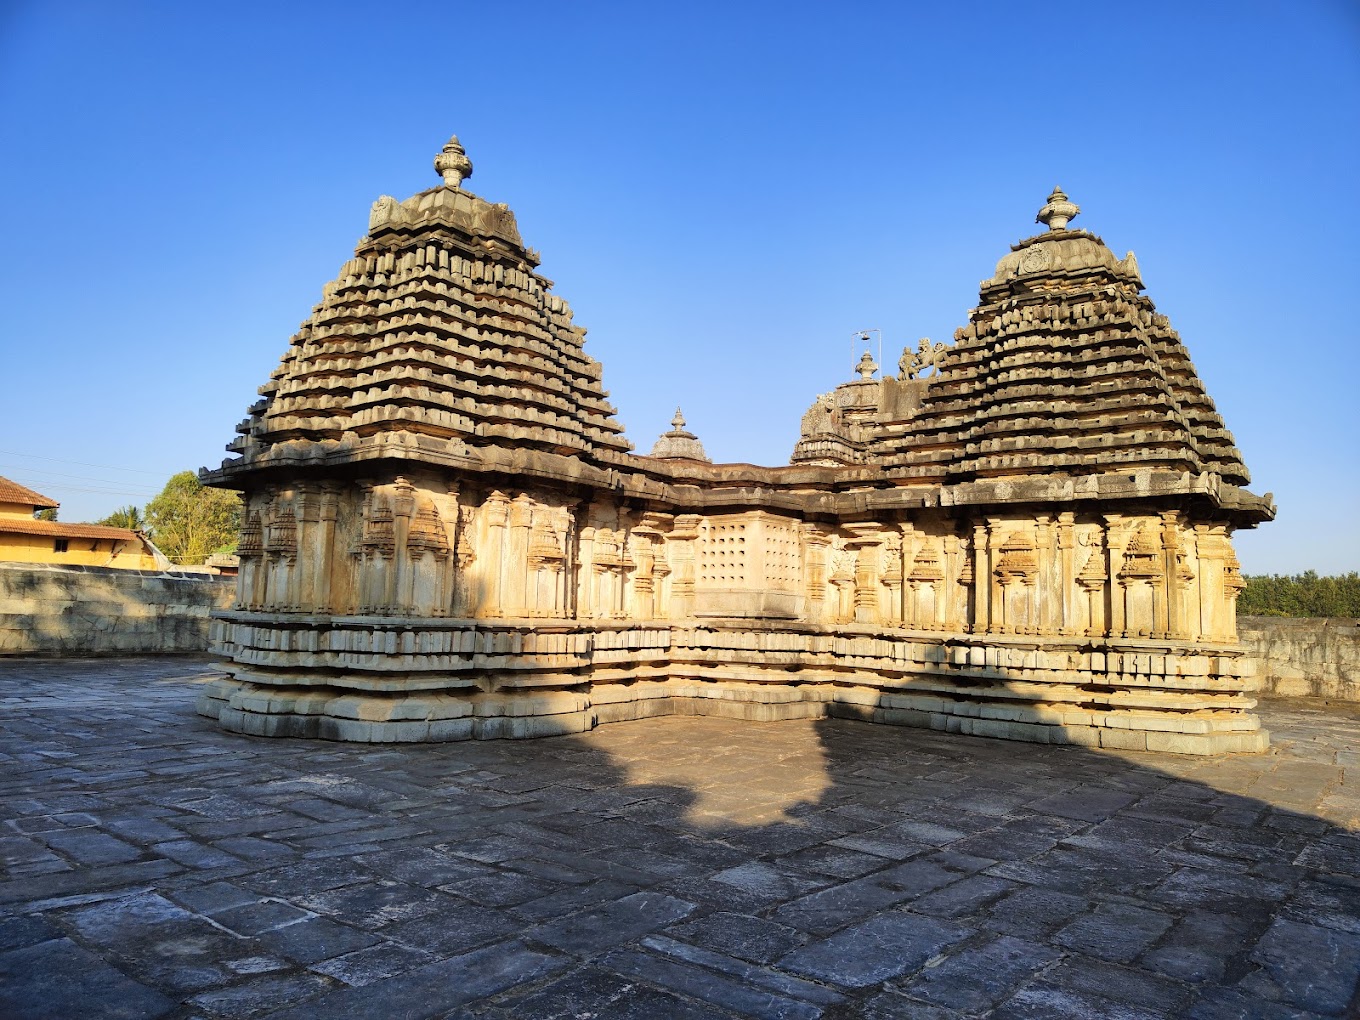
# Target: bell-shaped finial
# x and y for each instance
(1056, 214)
(452, 163)
(678, 422)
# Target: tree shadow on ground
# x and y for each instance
(677, 867)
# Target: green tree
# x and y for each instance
(188, 521)
(46, 514)
(1304, 594)
(129, 517)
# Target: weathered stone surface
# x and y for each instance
(1025, 535)
(55, 610)
(875, 950)
(1305, 658)
(57, 980)
(378, 880)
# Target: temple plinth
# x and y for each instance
(1024, 534)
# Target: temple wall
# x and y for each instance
(435, 606)
(76, 611)
(422, 547)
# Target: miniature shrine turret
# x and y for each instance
(679, 444)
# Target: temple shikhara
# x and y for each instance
(1024, 534)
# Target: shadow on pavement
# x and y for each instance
(679, 867)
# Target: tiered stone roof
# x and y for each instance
(1064, 367)
(438, 327)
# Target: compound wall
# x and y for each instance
(74, 611)
(1318, 658)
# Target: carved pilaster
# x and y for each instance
(331, 588)
(1067, 572)
(1115, 538)
(981, 580)
(680, 547)
(864, 546)
(815, 545)
(495, 514)
(403, 511)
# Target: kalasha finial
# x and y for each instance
(867, 366)
(678, 422)
(452, 163)
(1056, 214)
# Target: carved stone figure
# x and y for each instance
(922, 362)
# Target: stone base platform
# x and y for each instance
(389, 680)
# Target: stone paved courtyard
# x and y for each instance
(676, 868)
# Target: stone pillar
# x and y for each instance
(955, 584)
(1114, 541)
(661, 570)
(587, 586)
(1232, 587)
(307, 504)
(358, 549)
(684, 533)
(910, 615)
(496, 511)
(281, 547)
(1067, 574)
(399, 583)
(250, 549)
(515, 575)
(446, 506)
(645, 539)
(329, 582)
(464, 556)
(865, 544)
(981, 580)
(892, 578)
(1173, 623)
(997, 621)
(1043, 601)
(626, 570)
(815, 543)
(564, 539)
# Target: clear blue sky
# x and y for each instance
(723, 192)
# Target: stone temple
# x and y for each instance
(1025, 534)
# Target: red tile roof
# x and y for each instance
(59, 529)
(13, 492)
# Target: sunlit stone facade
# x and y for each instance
(1025, 534)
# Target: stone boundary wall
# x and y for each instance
(1304, 657)
(74, 611)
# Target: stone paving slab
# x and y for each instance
(155, 867)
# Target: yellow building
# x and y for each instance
(24, 539)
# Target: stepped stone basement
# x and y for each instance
(1025, 534)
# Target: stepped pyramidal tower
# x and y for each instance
(1024, 534)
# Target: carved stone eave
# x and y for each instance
(834, 492)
